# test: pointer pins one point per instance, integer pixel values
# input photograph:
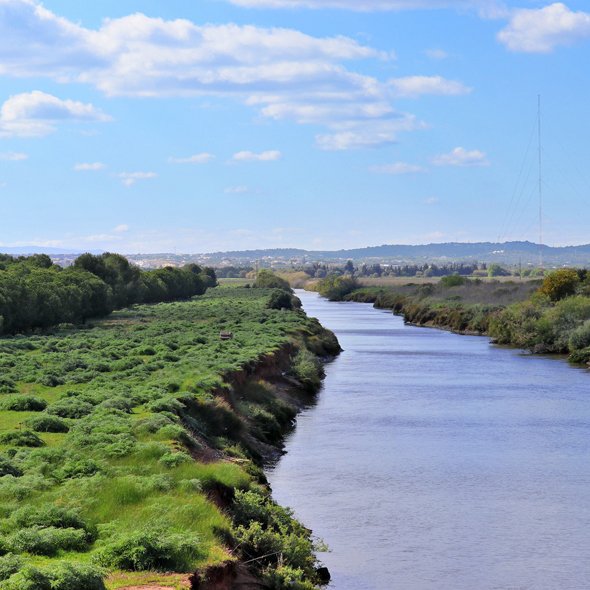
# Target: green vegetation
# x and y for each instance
(336, 287)
(35, 293)
(116, 438)
(548, 316)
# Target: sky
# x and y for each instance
(210, 125)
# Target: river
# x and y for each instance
(438, 461)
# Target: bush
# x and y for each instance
(9, 565)
(307, 368)
(28, 578)
(23, 403)
(453, 281)
(70, 407)
(152, 548)
(49, 516)
(580, 337)
(560, 284)
(266, 279)
(21, 438)
(7, 385)
(7, 468)
(172, 460)
(47, 424)
(280, 299)
(69, 576)
(46, 540)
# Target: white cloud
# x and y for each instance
(89, 167)
(431, 201)
(283, 73)
(436, 54)
(414, 86)
(195, 159)
(358, 134)
(398, 168)
(367, 5)
(236, 190)
(13, 156)
(121, 228)
(130, 178)
(268, 156)
(541, 30)
(35, 114)
(461, 157)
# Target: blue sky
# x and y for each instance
(204, 125)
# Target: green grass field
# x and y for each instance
(116, 438)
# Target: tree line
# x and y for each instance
(35, 293)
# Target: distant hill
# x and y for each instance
(507, 252)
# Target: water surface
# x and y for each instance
(438, 461)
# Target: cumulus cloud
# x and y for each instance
(89, 167)
(13, 156)
(542, 30)
(195, 159)
(121, 228)
(398, 168)
(268, 156)
(414, 86)
(35, 114)
(461, 157)
(282, 73)
(130, 178)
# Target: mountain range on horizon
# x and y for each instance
(506, 252)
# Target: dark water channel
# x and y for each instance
(438, 461)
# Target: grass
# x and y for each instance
(143, 392)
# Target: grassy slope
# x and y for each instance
(148, 389)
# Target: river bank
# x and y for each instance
(521, 315)
(136, 445)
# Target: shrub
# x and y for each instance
(28, 578)
(7, 468)
(51, 380)
(9, 564)
(49, 516)
(307, 368)
(560, 284)
(21, 438)
(70, 407)
(580, 337)
(7, 385)
(46, 540)
(69, 576)
(75, 468)
(266, 279)
(23, 403)
(453, 281)
(151, 548)
(47, 424)
(172, 460)
(280, 299)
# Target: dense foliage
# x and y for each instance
(552, 316)
(100, 428)
(336, 287)
(35, 293)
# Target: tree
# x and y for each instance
(560, 283)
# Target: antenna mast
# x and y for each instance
(540, 184)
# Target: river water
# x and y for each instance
(438, 461)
